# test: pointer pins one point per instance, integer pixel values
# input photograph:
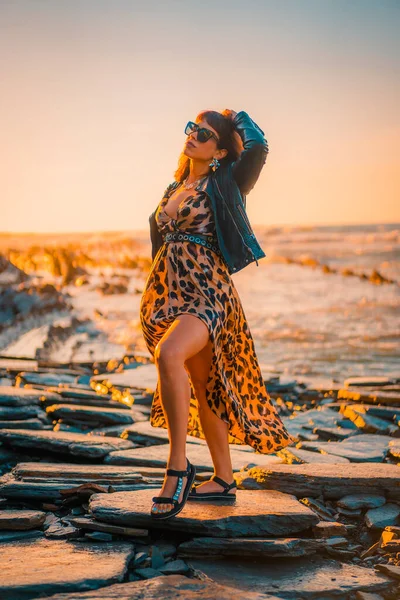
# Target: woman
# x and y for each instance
(209, 380)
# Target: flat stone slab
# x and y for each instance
(359, 448)
(71, 413)
(394, 448)
(165, 587)
(77, 444)
(370, 397)
(35, 424)
(310, 419)
(366, 421)
(299, 456)
(256, 514)
(60, 566)
(102, 474)
(383, 412)
(93, 525)
(286, 547)
(47, 491)
(199, 455)
(75, 473)
(332, 481)
(16, 396)
(142, 378)
(21, 519)
(18, 413)
(144, 432)
(295, 579)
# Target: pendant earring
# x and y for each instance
(214, 164)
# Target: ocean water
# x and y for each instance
(305, 322)
(309, 322)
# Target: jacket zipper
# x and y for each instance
(245, 217)
(233, 219)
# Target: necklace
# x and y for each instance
(188, 186)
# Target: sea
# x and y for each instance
(324, 303)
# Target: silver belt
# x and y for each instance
(208, 241)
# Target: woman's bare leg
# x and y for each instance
(215, 429)
(186, 336)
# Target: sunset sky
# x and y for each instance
(95, 95)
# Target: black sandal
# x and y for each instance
(190, 473)
(195, 495)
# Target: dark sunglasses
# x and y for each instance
(203, 134)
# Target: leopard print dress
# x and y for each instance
(187, 278)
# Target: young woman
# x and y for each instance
(209, 380)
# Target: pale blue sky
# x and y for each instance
(95, 96)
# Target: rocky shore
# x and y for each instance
(80, 462)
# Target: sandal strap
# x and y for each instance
(177, 473)
(224, 484)
(163, 500)
(180, 473)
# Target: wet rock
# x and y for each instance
(16, 396)
(335, 433)
(57, 528)
(394, 448)
(76, 473)
(305, 422)
(379, 518)
(371, 381)
(144, 433)
(377, 397)
(157, 456)
(355, 501)
(166, 587)
(318, 507)
(248, 547)
(70, 394)
(293, 455)
(46, 379)
(331, 481)
(60, 566)
(21, 413)
(99, 536)
(143, 377)
(93, 525)
(93, 415)
(327, 529)
(63, 442)
(147, 573)
(140, 559)
(368, 423)
(33, 424)
(15, 536)
(252, 514)
(55, 491)
(21, 519)
(391, 570)
(350, 513)
(368, 596)
(360, 448)
(175, 567)
(298, 578)
(382, 412)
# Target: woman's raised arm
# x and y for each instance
(247, 168)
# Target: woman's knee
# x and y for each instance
(167, 354)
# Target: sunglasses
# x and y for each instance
(203, 134)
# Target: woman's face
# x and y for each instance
(202, 151)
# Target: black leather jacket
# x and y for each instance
(227, 188)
